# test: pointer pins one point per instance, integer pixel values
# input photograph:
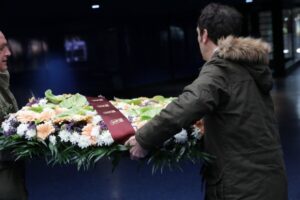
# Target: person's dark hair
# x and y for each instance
(220, 21)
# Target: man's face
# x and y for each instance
(4, 52)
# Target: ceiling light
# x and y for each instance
(95, 6)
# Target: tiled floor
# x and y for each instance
(130, 183)
(287, 104)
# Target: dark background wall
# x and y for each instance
(133, 47)
(130, 45)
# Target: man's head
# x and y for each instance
(215, 22)
(4, 52)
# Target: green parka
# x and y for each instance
(232, 95)
(12, 182)
(8, 104)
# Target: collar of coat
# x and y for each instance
(4, 79)
(244, 49)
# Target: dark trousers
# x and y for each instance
(12, 181)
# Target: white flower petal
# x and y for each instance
(64, 135)
(52, 139)
(181, 137)
(43, 102)
(6, 126)
(196, 133)
(22, 128)
(96, 119)
(95, 131)
(30, 134)
(84, 141)
(74, 137)
(105, 139)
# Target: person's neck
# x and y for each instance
(211, 50)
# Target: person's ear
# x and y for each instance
(204, 36)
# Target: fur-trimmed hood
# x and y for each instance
(248, 50)
(253, 54)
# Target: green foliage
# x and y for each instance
(173, 154)
(61, 153)
(37, 109)
(76, 101)
(170, 156)
(56, 99)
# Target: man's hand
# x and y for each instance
(136, 151)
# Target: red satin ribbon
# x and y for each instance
(118, 125)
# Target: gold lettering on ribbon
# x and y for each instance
(103, 106)
(109, 112)
(116, 121)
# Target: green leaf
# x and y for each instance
(135, 101)
(52, 98)
(150, 113)
(76, 100)
(37, 109)
(159, 98)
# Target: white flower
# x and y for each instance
(30, 134)
(95, 131)
(181, 137)
(11, 117)
(96, 119)
(64, 135)
(196, 133)
(74, 137)
(92, 113)
(43, 102)
(52, 139)
(22, 128)
(6, 126)
(84, 141)
(77, 117)
(105, 139)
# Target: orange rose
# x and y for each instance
(26, 116)
(87, 130)
(44, 130)
(47, 115)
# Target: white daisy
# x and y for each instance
(43, 102)
(64, 135)
(6, 126)
(181, 137)
(105, 139)
(30, 134)
(52, 139)
(196, 133)
(22, 128)
(84, 141)
(96, 119)
(74, 137)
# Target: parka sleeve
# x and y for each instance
(197, 99)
